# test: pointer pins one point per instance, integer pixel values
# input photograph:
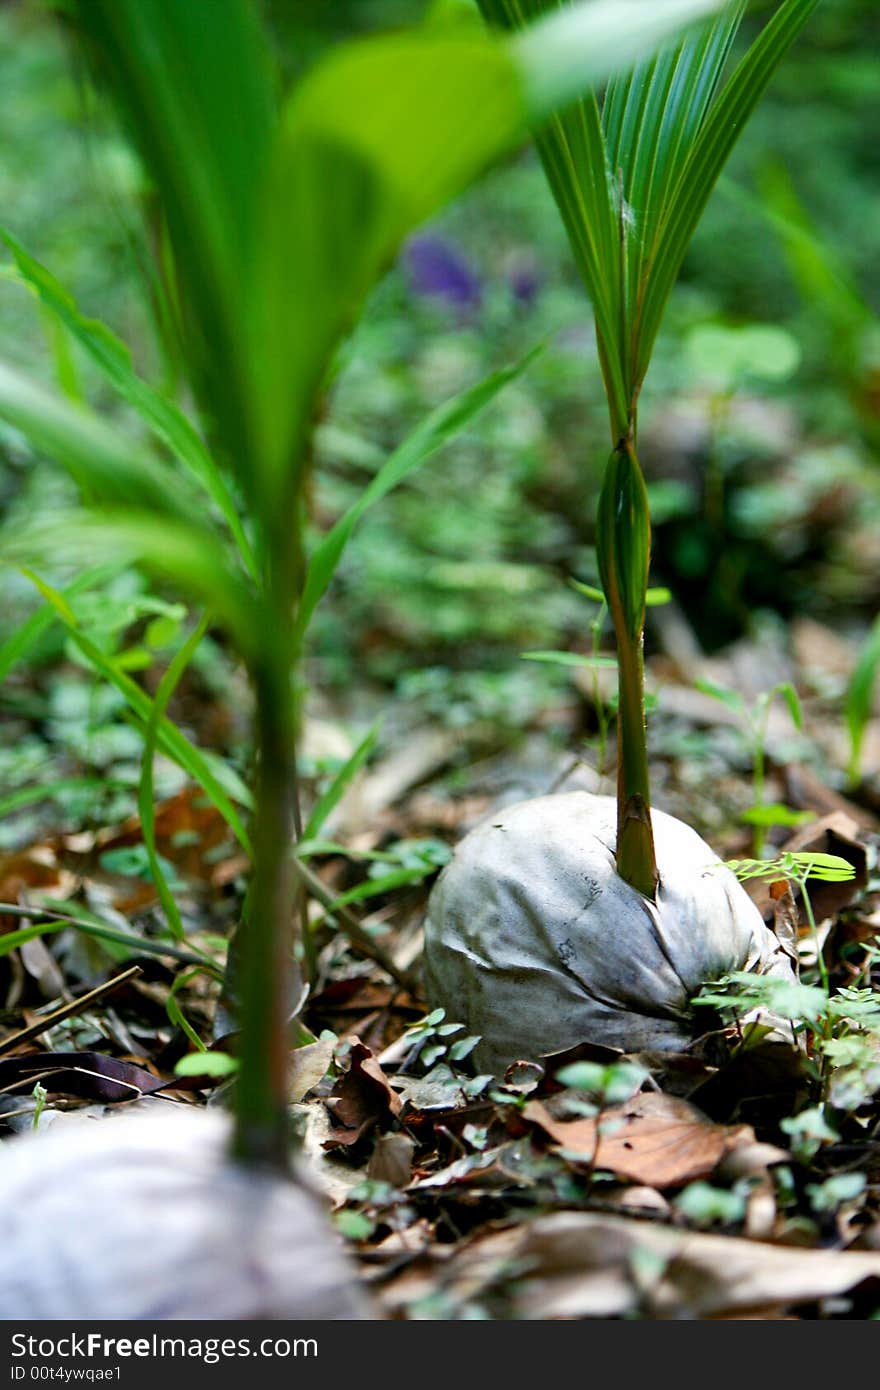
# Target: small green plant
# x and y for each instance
(798, 867)
(40, 1095)
(755, 716)
(631, 179)
(277, 217)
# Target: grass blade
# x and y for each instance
(169, 738)
(164, 691)
(860, 698)
(437, 429)
(341, 782)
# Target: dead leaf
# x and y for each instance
(586, 1265)
(361, 1099)
(308, 1065)
(392, 1160)
(654, 1140)
(90, 1075)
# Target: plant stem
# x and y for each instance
(268, 971)
(636, 861)
(624, 548)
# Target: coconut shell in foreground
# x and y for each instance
(145, 1217)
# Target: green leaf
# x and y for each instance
(595, 663)
(438, 428)
(338, 786)
(774, 813)
(860, 697)
(206, 1064)
(792, 700)
(106, 465)
(113, 358)
(699, 172)
(72, 915)
(375, 887)
(172, 742)
(587, 590)
(25, 637)
(173, 549)
(731, 698)
(830, 868)
(657, 598)
(164, 691)
(196, 86)
(57, 790)
(623, 542)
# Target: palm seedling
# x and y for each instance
(277, 217)
(621, 913)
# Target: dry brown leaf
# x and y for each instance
(654, 1139)
(308, 1065)
(361, 1099)
(586, 1265)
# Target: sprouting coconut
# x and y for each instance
(147, 1217)
(535, 942)
(553, 925)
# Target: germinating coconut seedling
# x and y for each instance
(278, 222)
(574, 918)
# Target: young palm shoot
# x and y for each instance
(279, 222)
(572, 917)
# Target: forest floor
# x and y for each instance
(739, 1179)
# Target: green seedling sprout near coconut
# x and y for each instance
(277, 217)
(551, 927)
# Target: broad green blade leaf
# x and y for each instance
(195, 83)
(373, 140)
(172, 742)
(437, 429)
(340, 783)
(113, 358)
(164, 691)
(708, 155)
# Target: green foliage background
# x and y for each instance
(466, 566)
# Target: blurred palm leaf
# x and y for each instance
(113, 358)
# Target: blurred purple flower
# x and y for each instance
(525, 279)
(436, 268)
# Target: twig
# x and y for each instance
(69, 1010)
